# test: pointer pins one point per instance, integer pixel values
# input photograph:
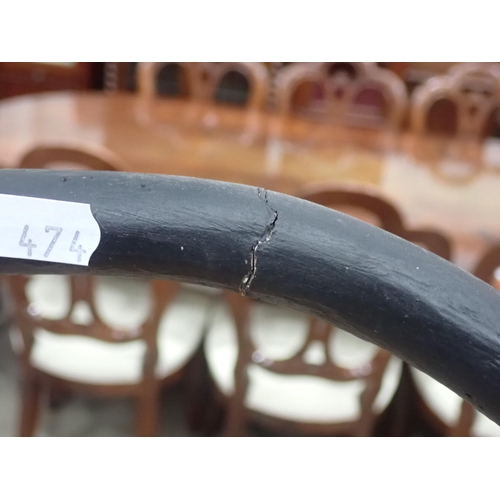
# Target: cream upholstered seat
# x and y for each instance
(105, 336)
(122, 304)
(278, 334)
(262, 358)
(447, 405)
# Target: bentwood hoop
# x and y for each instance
(291, 252)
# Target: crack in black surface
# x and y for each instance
(246, 282)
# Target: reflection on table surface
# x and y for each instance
(449, 186)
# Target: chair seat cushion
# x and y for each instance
(446, 405)
(278, 334)
(122, 304)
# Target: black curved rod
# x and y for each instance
(289, 252)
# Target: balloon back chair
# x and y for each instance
(243, 83)
(107, 336)
(357, 94)
(296, 374)
(463, 103)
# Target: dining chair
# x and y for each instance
(357, 94)
(462, 104)
(106, 336)
(240, 83)
(169, 79)
(211, 89)
(103, 336)
(87, 156)
(296, 374)
(446, 412)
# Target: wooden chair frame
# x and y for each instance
(256, 74)
(339, 96)
(204, 78)
(330, 195)
(33, 380)
(147, 73)
(474, 88)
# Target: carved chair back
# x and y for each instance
(321, 335)
(251, 77)
(211, 82)
(174, 79)
(470, 93)
(370, 206)
(353, 94)
(52, 312)
(488, 268)
(83, 313)
(80, 293)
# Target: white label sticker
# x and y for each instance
(47, 230)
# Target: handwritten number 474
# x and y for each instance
(79, 250)
(28, 243)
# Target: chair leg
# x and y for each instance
(204, 413)
(402, 408)
(465, 422)
(237, 415)
(147, 412)
(236, 424)
(57, 398)
(30, 406)
(236, 420)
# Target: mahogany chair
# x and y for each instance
(205, 81)
(296, 374)
(252, 94)
(351, 94)
(446, 412)
(106, 336)
(208, 86)
(462, 103)
(182, 79)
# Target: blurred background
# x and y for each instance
(411, 147)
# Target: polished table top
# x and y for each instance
(436, 183)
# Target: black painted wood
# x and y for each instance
(290, 252)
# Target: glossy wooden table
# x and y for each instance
(452, 188)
